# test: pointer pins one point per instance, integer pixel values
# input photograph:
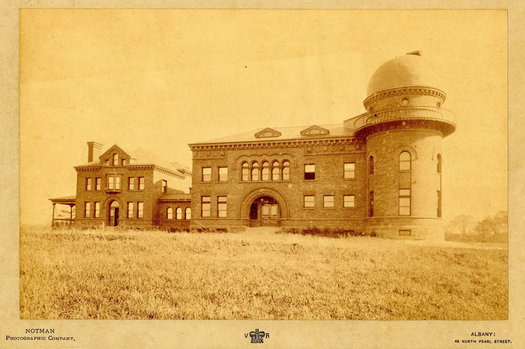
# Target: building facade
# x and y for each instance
(118, 188)
(378, 172)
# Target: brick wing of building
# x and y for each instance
(133, 190)
(377, 172)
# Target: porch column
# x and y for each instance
(53, 217)
(71, 214)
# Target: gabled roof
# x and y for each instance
(287, 133)
(112, 149)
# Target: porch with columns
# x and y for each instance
(60, 221)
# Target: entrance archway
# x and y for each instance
(264, 211)
(113, 213)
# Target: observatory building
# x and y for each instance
(379, 172)
(376, 172)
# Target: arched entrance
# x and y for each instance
(264, 211)
(113, 213)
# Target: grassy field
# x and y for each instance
(111, 274)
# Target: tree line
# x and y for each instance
(489, 229)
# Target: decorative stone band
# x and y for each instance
(412, 90)
(292, 143)
(404, 113)
(175, 201)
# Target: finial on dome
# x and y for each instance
(414, 53)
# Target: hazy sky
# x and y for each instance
(160, 79)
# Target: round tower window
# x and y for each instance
(438, 104)
(404, 101)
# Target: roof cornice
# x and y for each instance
(93, 168)
(284, 143)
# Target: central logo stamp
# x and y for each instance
(257, 336)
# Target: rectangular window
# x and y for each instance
(328, 201)
(222, 206)
(439, 203)
(141, 183)
(206, 174)
(371, 204)
(309, 171)
(404, 202)
(131, 183)
(97, 183)
(97, 209)
(405, 232)
(309, 201)
(114, 182)
(348, 200)
(205, 206)
(223, 174)
(349, 170)
(140, 209)
(164, 189)
(88, 183)
(130, 210)
(87, 209)
(123, 162)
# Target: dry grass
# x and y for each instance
(96, 274)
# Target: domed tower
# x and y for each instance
(404, 127)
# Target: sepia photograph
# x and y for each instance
(229, 164)
(263, 164)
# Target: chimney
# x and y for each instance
(93, 151)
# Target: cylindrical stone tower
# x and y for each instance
(404, 127)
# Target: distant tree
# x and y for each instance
(493, 228)
(463, 224)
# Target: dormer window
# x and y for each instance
(315, 131)
(115, 159)
(267, 132)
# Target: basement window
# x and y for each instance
(405, 232)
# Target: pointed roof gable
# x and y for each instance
(315, 131)
(267, 132)
(112, 149)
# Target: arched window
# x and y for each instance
(115, 159)
(255, 171)
(169, 213)
(439, 163)
(179, 213)
(286, 170)
(245, 175)
(371, 165)
(265, 174)
(276, 171)
(188, 213)
(404, 161)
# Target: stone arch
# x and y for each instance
(254, 194)
(109, 200)
(405, 147)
